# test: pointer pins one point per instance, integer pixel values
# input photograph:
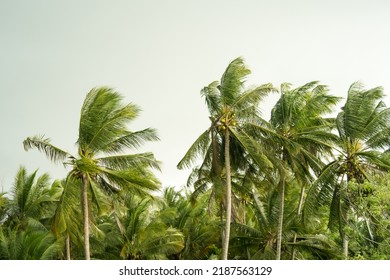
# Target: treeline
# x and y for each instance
(312, 182)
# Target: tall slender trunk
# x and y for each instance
(344, 236)
(345, 245)
(299, 212)
(225, 245)
(67, 248)
(216, 176)
(281, 216)
(221, 208)
(85, 216)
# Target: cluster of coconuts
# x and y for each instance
(351, 168)
(227, 119)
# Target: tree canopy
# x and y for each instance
(311, 181)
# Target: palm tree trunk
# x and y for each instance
(225, 245)
(280, 219)
(67, 244)
(85, 216)
(345, 246)
(221, 208)
(344, 236)
(299, 212)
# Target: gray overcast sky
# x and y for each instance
(159, 54)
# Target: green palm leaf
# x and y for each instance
(130, 140)
(197, 149)
(126, 161)
(232, 81)
(360, 103)
(212, 97)
(43, 144)
(133, 180)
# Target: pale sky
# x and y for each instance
(159, 54)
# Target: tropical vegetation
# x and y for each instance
(311, 181)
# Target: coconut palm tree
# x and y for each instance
(33, 242)
(363, 132)
(103, 135)
(256, 238)
(191, 217)
(230, 106)
(30, 199)
(146, 235)
(24, 232)
(300, 134)
(201, 181)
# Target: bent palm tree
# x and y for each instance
(230, 107)
(302, 134)
(102, 136)
(363, 128)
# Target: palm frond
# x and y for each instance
(161, 243)
(377, 130)
(375, 160)
(35, 242)
(322, 190)
(197, 149)
(67, 215)
(103, 118)
(212, 97)
(255, 151)
(134, 180)
(318, 245)
(201, 185)
(121, 162)
(54, 153)
(130, 140)
(358, 107)
(319, 102)
(232, 81)
(30, 197)
(252, 97)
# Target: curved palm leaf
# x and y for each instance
(43, 144)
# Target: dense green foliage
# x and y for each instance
(312, 182)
